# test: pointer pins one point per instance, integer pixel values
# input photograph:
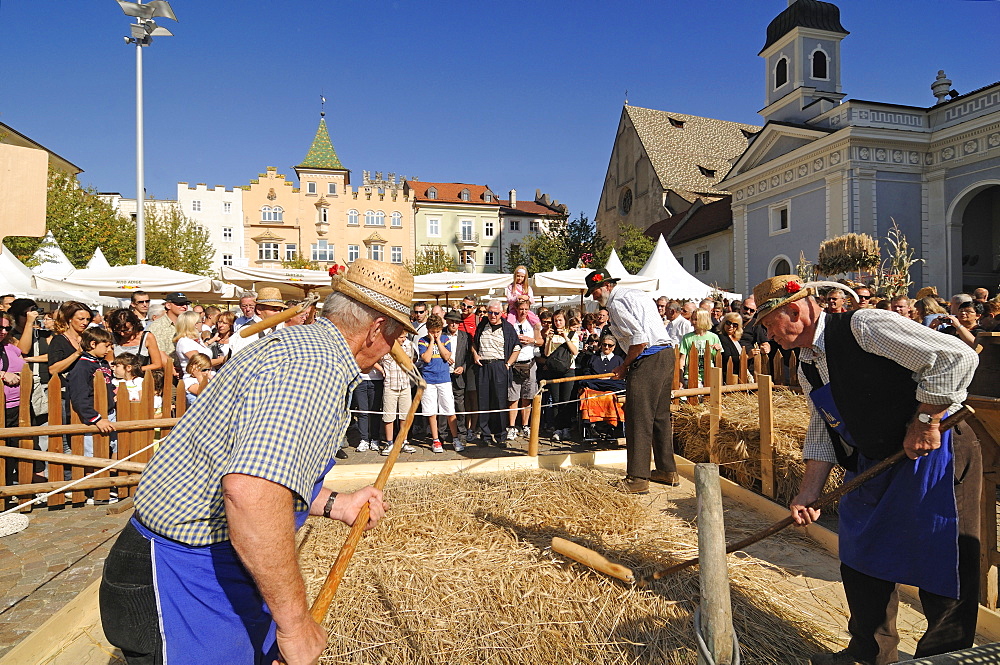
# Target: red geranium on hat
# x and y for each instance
(793, 287)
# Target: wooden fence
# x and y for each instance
(136, 426)
(781, 368)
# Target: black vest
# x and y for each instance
(876, 396)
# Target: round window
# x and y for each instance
(625, 202)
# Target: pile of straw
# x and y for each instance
(460, 573)
(738, 441)
(850, 252)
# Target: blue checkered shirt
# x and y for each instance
(278, 411)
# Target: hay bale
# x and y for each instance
(460, 573)
(739, 440)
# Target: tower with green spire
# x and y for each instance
(322, 157)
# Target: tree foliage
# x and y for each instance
(80, 222)
(634, 248)
(301, 263)
(174, 240)
(562, 245)
(432, 258)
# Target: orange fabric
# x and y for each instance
(598, 406)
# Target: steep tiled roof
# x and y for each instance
(689, 153)
(450, 192)
(805, 14)
(528, 208)
(321, 154)
(699, 221)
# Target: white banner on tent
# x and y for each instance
(126, 279)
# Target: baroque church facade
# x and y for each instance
(821, 166)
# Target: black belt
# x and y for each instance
(494, 360)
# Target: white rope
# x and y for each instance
(503, 410)
(73, 483)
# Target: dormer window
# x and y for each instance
(679, 124)
(781, 73)
(464, 195)
(708, 173)
(488, 197)
(432, 193)
(820, 65)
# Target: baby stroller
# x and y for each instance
(601, 410)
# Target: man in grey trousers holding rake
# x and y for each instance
(648, 371)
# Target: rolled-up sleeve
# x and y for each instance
(942, 365)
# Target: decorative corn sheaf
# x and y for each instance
(853, 252)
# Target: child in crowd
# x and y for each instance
(436, 350)
(95, 343)
(396, 398)
(199, 371)
(128, 375)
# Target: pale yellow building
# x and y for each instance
(324, 219)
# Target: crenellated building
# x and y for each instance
(324, 219)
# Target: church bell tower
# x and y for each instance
(802, 62)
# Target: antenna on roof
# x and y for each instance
(626, 96)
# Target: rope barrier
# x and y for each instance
(507, 409)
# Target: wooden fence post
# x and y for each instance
(716, 606)
(55, 442)
(744, 374)
(676, 382)
(123, 407)
(765, 409)
(102, 442)
(714, 412)
(536, 419)
(692, 370)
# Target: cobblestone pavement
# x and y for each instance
(46, 565)
(62, 551)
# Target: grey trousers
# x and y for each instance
(648, 434)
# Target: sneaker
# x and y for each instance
(388, 449)
(384, 444)
(459, 446)
(511, 433)
(527, 431)
(437, 447)
(363, 446)
(557, 435)
(407, 448)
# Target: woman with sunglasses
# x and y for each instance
(126, 328)
(730, 332)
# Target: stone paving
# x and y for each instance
(46, 565)
(62, 550)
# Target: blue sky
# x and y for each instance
(513, 94)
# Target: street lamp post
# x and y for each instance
(143, 31)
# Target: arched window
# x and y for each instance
(265, 214)
(277, 214)
(780, 266)
(397, 219)
(464, 195)
(352, 217)
(369, 218)
(820, 65)
(379, 218)
(432, 193)
(781, 73)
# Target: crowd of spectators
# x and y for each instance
(482, 361)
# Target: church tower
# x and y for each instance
(802, 62)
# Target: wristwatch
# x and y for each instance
(928, 419)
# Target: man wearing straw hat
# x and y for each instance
(268, 302)
(206, 570)
(648, 370)
(878, 383)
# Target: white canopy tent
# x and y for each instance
(50, 260)
(674, 281)
(123, 280)
(456, 285)
(292, 283)
(98, 261)
(568, 282)
(15, 277)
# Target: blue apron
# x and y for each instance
(210, 609)
(902, 525)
